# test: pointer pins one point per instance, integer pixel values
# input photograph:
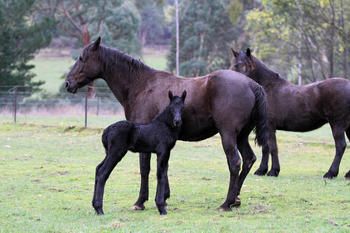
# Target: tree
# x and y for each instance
(21, 36)
(312, 33)
(205, 36)
(117, 21)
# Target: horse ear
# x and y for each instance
(96, 43)
(183, 96)
(235, 54)
(170, 94)
(248, 52)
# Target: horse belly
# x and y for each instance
(198, 128)
(301, 125)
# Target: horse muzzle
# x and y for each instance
(70, 88)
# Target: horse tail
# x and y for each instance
(259, 115)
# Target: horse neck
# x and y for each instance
(123, 74)
(265, 76)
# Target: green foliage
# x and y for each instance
(21, 36)
(313, 33)
(120, 26)
(205, 35)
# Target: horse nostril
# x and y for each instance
(67, 84)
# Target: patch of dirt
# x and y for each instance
(259, 209)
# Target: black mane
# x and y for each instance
(111, 56)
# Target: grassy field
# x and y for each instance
(47, 176)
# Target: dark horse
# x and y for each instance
(159, 136)
(224, 101)
(299, 108)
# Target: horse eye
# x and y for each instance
(80, 59)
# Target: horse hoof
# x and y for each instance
(237, 203)
(273, 172)
(99, 212)
(163, 212)
(138, 207)
(260, 172)
(330, 175)
(347, 175)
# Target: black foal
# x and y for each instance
(158, 137)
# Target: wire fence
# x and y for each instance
(21, 104)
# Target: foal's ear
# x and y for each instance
(96, 44)
(235, 54)
(170, 94)
(248, 52)
(183, 96)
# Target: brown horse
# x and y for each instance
(223, 101)
(299, 108)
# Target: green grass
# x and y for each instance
(52, 69)
(47, 177)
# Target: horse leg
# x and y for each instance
(340, 145)
(347, 175)
(162, 167)
(103, 170)
(145, 167)
(234, 163)
(249, 159)
(264, 164)
(275, 168)
(167, 187)
(262, 170)
(97, 168)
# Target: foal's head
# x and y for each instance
(175, 108)
(86, 69)
(243, 62)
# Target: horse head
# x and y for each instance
(86, 69)
(243, 62)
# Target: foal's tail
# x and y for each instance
(259, 115)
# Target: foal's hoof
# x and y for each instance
(163, 212)
(330, 175)
(99, 211)
(347, 175)
(260, 172)
(273, 172)
(138, 207)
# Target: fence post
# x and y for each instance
(86, 108)
(98, 106)
(15, 105)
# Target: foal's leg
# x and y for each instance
(162, 167)
(340, 145)
(249, 159)
(167, 187)
(234, 163)
(347, 175)
(145, 167)
(275, 168)
(103, 170)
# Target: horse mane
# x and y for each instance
(111, 56)
(261, 66)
